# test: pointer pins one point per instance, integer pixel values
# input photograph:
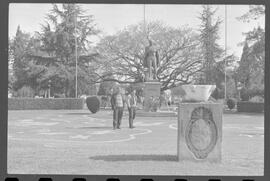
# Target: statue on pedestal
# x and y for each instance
(151, 61)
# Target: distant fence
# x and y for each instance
(44, 103)
(247, 106)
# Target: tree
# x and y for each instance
(24, 68)
(18, 49)
(57, 49)
(255, 12)
(244, 66)
(212, 52)
(122, 54)
(11, 77)
(251, 67)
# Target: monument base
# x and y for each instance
(199, 131)
(151, 95)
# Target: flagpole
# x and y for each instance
(76, 57)
(144, 19)
(225, 88)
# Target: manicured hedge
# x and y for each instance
(44, 103)
(231, 103)
(93, 104)
(247, 106)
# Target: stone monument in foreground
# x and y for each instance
(199, 125)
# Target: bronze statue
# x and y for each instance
(151, 60)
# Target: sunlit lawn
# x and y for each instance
(78, 142)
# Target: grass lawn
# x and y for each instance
(78, 142)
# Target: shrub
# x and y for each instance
(25, 91)
(257, 99)
(256, 92)
(231, 103)
(93, 104)
(59, 95)
(244, 94)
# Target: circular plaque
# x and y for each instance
(201, 132)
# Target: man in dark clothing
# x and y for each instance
(117, 102)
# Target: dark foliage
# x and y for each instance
(218, 93)
(244, 94)
(231, 103)
(93, 104)
(246, 106)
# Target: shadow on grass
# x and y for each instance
(92, 127)
(96, 127)
(113, 158)
(78, 113)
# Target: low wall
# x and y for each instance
(44, 103)
(246, 106)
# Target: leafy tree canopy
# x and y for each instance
(122, 54)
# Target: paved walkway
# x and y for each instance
(78, 142)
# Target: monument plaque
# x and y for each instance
(200, 131)
(151, 91)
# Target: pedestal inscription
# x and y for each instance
(199, 131)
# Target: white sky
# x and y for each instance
(113, 17)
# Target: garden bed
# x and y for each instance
(44, 103)
(247, 106)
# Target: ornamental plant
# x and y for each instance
(231, 103)
(93, 104)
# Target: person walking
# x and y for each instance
(131, 104)
(117, 102)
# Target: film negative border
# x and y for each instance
(32, 177)
(131, 178)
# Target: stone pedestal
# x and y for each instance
(199, 131)
(151, 91)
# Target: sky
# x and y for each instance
(111, 18)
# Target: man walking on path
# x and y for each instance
(117, 102)
(131, 104)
